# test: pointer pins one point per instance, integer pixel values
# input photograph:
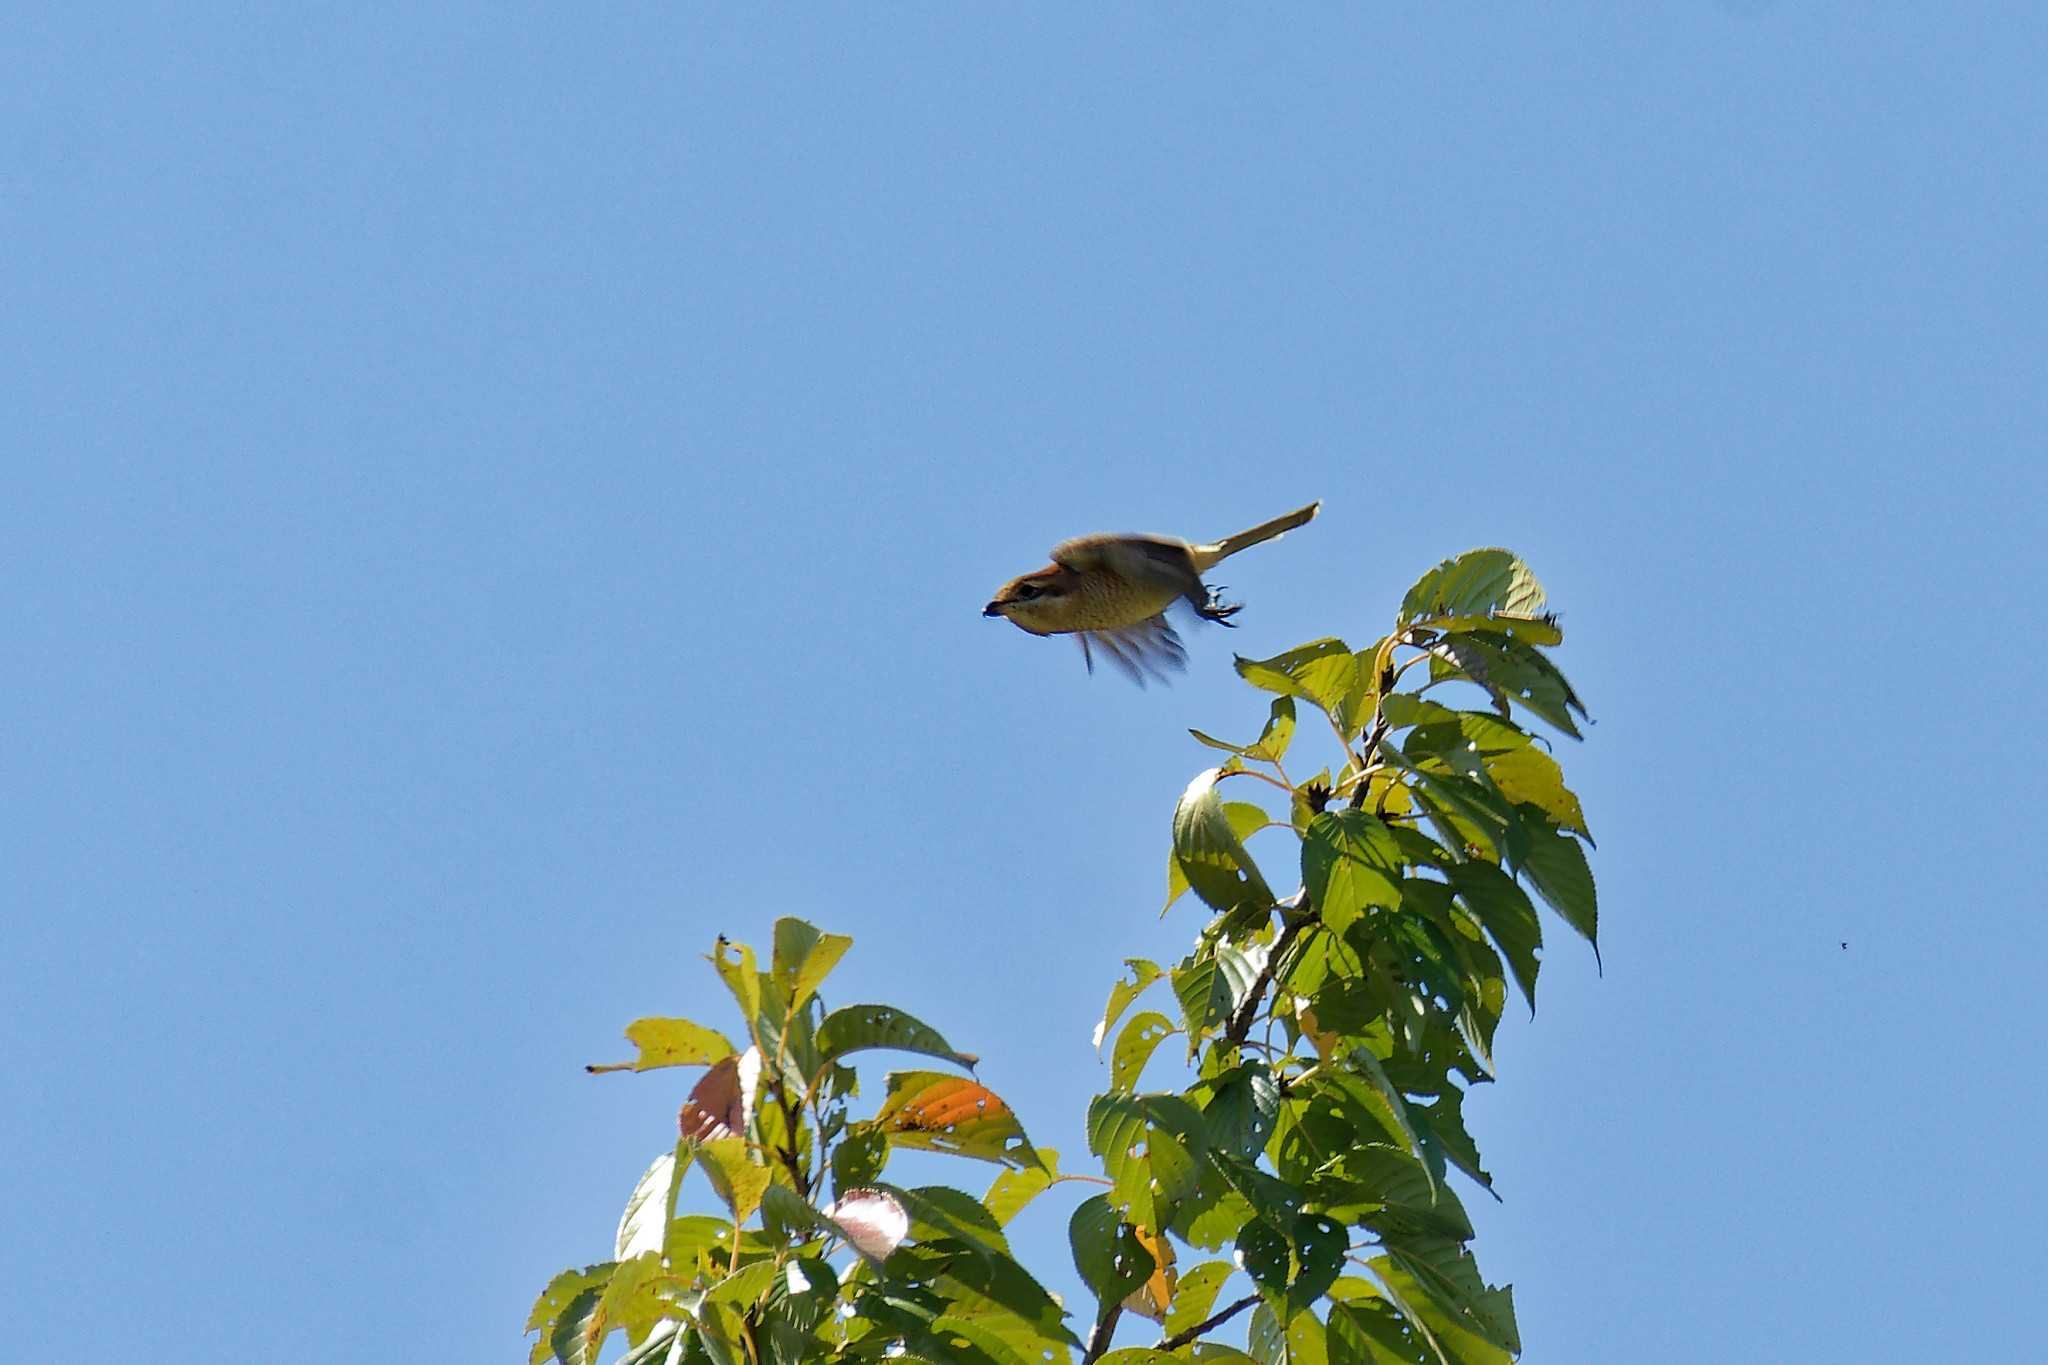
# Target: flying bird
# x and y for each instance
(1112, 591)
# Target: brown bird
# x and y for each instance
(1113, 591)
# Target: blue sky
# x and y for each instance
(499, 495)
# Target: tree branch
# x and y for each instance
(1180, 1339)
(1241, 1022)
(1099, 1335)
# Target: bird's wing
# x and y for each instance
(1148, 649)
(1159, 560)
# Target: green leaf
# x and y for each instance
(1012, 1190)
(1531, 777)
(1148, 1145)
(1324, 672)
(652, 1203)
(1107, 1252)
(1143, 974)
(736, 1178)
(1239, 1107)
(1209, 852)
(1211, 986)
(1438, 1279)
(1134, 1047)
(1349, 864)
(1512, 672)
(936, 1112)
(1476, 582)
(577, 1335)
(1273, 740)
(1245, 820)
(1196, 1294)
(1365, 1328)
(1556, 865)
(858, 1158)
(564, 1289)
(1506, 912)
(856, 1028)
(670, 1042)
(740, 977)
(804, 957)
(971, 1342)
(1279, 732)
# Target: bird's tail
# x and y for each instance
(1206, 556)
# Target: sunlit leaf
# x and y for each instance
(1476, 582)
(804, 956)
(1195, 1295)
(1209, 852)
(1349, 864)
(1013, 1189)
(670, 1042)
(740, 976)
(734, 1174)
(938, 1112)
(1210, 987)
(1143, 974)
(1245, 820)
(1134, 1047)
(1324, 672)
(1152, 1298)
(652, 1204)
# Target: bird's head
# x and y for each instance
(1037, 602)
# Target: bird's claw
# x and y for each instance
(1218, 610)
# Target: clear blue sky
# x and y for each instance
(497, 495)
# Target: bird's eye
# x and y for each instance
(1027, 591)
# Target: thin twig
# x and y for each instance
(1180, 1339)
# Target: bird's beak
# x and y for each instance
(992, 609)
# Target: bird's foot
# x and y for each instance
(1218, 610)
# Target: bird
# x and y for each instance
(1112, 592)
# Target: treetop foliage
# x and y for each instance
(1326, 1039)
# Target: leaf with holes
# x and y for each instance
(1107, 1252)
(1143, 974)
(572, 1293)
(857, 1028)
(937, 1112)
(1152, 1298)
(1475, 583)
(1134, 1047)
(669, 1042)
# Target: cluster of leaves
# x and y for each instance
(1331, 1035)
